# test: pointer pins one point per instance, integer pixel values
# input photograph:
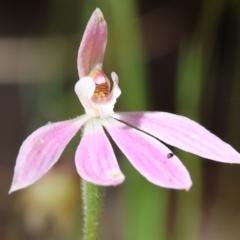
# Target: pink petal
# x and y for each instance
(41, 150)
(182, 133)
(95, 159)
(149, 156)
(92, 47)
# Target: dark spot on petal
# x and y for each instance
(170, 155)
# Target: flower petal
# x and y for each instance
(116, 91)
(182, 133)
(41, 150)
(95, 159)
(84, 89)
(149, 156)
(93, 44)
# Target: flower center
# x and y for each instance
(101, 92)
(102, 83)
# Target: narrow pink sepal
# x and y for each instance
(93, 44)
(41, 150)
(149, 156)
(95, 159)
(182, 133)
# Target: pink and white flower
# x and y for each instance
(94, 158)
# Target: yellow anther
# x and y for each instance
(102, 83)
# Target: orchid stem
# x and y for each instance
(92, 207)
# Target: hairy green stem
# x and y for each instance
(92, 207)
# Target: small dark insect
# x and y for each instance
(170, 155)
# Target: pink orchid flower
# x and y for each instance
(94, 158)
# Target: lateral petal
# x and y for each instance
(93, 44)
(149, 156)
(84, 89)
(183, 133)
(95, 159)
(41, 150)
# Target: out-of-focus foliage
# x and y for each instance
(176, 56)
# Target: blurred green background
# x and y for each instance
(176, 56)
